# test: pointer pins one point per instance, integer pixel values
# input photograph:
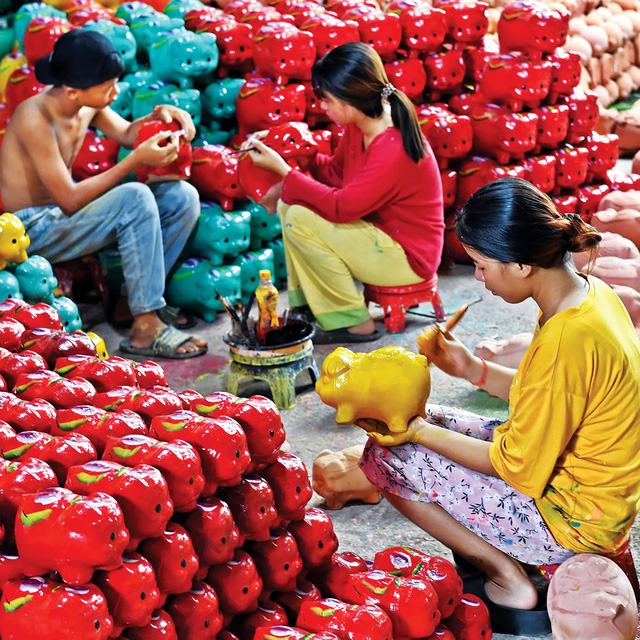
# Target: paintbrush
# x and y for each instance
(229, 309)
(430, 334)
(242, 150)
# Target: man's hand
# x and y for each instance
(167, 113)
(150, 154)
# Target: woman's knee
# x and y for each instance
(297, 221)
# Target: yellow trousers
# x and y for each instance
(324, 259)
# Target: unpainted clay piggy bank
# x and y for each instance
(14, 242)
(590, 598)
(193, 286)
(36, 278)
(620, 271)
(219, 99)
(251, 263)
(391, 384)
(40, 609)
(58, 530)
(449, 135)
(121, 38)
(183, 57)
(220, 233)
(27, 12)
(214, 173)
(532, 27)
(338, 478)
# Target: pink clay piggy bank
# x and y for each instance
(620, 271)
(508, 352)
(540, 171)
(478, 171)
(262, 104)
(40, 609)
(380, 30)
(553, 125)
(214, 173)
(611, 244)
(603, 154)
(625, 222)
(630, 298)
(583, 115)
(423, 29)
(572, 164)
(499, 133)
(58, 530)
(511, 79)
(449, 135)
(282, 51)
(589, 198)
(329, 32)
(408, 76)
(619, 200)
(590, 597)
(445, 73)
(532, 27)
(566, 67)
(467, 22)
(195, 613)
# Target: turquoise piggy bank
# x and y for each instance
(178, 8)
(251, 263)
(120, 37)
(264, 227)
(279, 261)
(130, 12)
(124, 100)
(219, 99)
(149, 28)
(9, 286)
(36, 280)
(69, 314)
(193, 287)
(212, 134)
(182, 57)
(146, 98)
(138, 79)
(27, 12)
(220, 233)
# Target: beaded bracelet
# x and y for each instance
(483, 377)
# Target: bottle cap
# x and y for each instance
(265, 274)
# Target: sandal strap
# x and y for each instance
(169, 340)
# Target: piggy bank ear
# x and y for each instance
(175, 23)
(339, 362)
(208, 38)
(192, 94)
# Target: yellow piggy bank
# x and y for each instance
(101, 348)
(8, 65)
(13, 240)
(390, 384)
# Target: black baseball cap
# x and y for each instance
(81, 59)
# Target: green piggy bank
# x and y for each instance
(178, 8)
(146, 98)
(69, 314)
(264, 227)
(194, 284)
(27, 12)
(251, 263)
(150, 28)
(9, 286)
(279, 261)
(121, 38)
(36, 280)
(219, 99)
(131, 12)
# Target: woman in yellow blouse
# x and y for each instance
(562, 474)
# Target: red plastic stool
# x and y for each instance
(396, 300)
(623, 559)
(80, 270)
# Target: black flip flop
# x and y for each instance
(529, 622)
(173, 316)
(344, 336)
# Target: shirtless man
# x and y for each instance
(67, 220)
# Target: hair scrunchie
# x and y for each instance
(387, 90)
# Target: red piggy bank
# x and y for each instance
(553, 126)
(236, 583)
(31, 415)
(104, 375)
(173, 559)
(215, 175)
(315, 536)
(220, 442)
(141, 492)
(449, 135)
(340, 7)
(148, 374)
(532, 27)
(583, 115)
(423, 29)
(131, 592)
(477, 171)
(251, 503)
(380, 30)
(619, 181)
(278, 561)
(411, 603)
(603, 154)
(333, 577)
(357, 622)
(34, 316)
(289, 481)
(439, 572)
(499, 133)
(10, 333)
(283, 52)
(442, 633)
(262, 104)
(589, 198)
(196, 613)
(14, 364)
(283, 632)
(152, 402)
(467, 22)
(213, 533)
(40, 36)
(178, 461)
(49, 386)
(408, 76)
(39, 609)
(449, 179)
(572, 166)
(470, 620)
(10, 569)
(566, 67)
(292, 600)
(314, 110)
(329, 32)
(218, 403)
(540, 171)
(96, 155)
(300, 10)
(180, 168)
(475, 60)
(161, 627)
(258, 15)
(445, 73)
(22, 84)
(567, 203)
(513, 80)
(58, 530)
(266, 615)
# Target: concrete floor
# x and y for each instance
(310, 425)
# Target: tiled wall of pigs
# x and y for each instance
(129, 510)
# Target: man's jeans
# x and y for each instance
(149, 224)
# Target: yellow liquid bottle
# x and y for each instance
(267, 298)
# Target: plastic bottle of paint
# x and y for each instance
(267, 298)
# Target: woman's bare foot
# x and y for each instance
(147, 326)
(363, 329)
(512, 588)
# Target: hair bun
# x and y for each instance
(580, 236)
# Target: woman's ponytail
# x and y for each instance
(404, 118)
